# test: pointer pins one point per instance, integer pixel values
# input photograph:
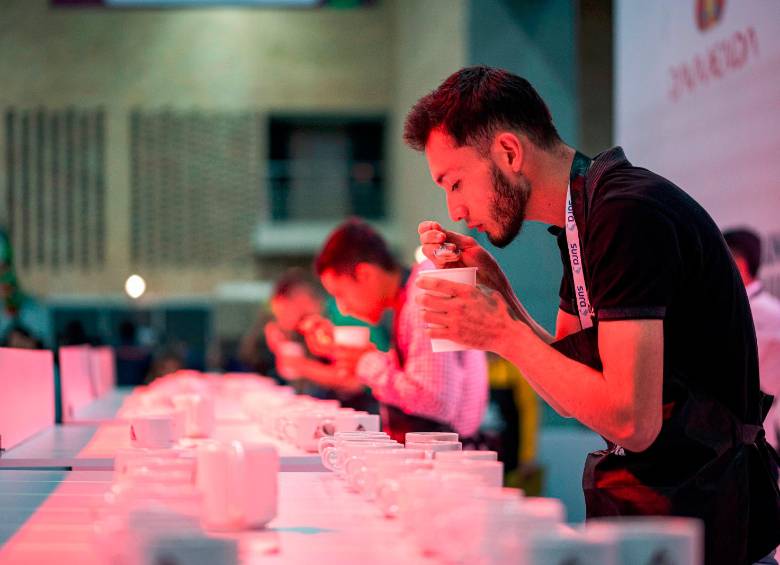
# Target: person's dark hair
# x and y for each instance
(351, 243)
(292, 281)
(746, 244)
(127, 332)
(19, 329)
(476, 102)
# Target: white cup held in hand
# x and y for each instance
(351, 336)
(463, 275)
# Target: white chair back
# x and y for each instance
(26, 394)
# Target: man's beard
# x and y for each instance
(507, 209)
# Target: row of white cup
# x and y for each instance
(451, 505)
(175, 485)
(218, 486)
(185, 407)
(302, 420)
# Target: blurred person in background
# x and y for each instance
(133, 360)
(294, 299)
(253, 351)
(418, 390)
(745, 246)
(167, 360)
(19, 309)
(18, 337)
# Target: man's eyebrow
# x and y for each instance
(440, 178)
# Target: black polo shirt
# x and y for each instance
(651, 252)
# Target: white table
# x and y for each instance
(93, 447)
(318, 522)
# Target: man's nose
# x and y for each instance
(457, 212)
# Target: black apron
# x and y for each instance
(705, 463)
(395, 422)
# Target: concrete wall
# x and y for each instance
(429, 44)
(222, 59)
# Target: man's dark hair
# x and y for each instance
(351, 243)
(746, 244)
(475, 103)
(292, 281)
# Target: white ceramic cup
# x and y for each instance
(358, 470)
(559, 546)
(381, 464)
(356, 422)
(154, 431)
(387, 487)
(646, 540)
(239, 484)
(351, 336)
(305, 429)
(463, 275)
(199, 417)
(417, 437)
(425, 496)
(351, 457)
(491, 473)
(133, 457)
(334, 456)
(468, 454)
(433, 447)
(487, 514)
(261, 470)
(330, 441)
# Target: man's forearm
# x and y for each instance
(570, 387)
(520, 313)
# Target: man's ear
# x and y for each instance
(508, 152)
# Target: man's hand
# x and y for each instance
(468, 253)
(318, 332)
(290, 367)
(332, 376)
(478, 318)
(274, 336)
(471, 254)
(347, 358)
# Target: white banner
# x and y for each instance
(697, 97)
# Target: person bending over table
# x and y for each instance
(418, 390)
(654, 346)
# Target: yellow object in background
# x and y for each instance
(504, 375)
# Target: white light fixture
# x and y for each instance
(135, 286)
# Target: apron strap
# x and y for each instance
(749, 434)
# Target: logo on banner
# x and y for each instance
(709, 13)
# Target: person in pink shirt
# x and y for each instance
(418, 390)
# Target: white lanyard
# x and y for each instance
(584, 309)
